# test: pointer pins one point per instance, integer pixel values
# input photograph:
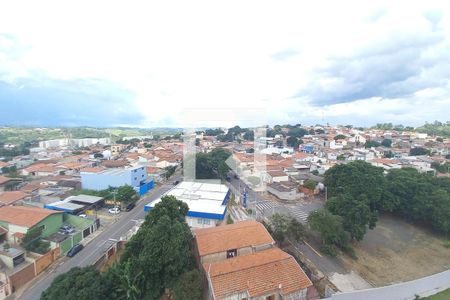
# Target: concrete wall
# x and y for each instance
(46, 260)
(101, 181)
(407, 290)
(22, 276)
(52, 224)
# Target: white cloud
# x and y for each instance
(179, 54)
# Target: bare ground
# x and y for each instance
(396, 251)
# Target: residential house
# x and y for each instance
(223, 242)
(284, 190)
(240, 261)
(12, 197)
(17, 220)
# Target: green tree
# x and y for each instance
(418, 151)
(292, 141)
(340, 137)
(331, 231)
(310, 184)
(160, 250)
(439, 139)
(356, 214)
(356, 179)
(278, 226)
(297, 132)
(188, 286)
(249, 135)
(126, 194)
(32, 241)
(370, 144)
(213, 164)
(386, 143)
(78, 283)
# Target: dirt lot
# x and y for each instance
(397, 251)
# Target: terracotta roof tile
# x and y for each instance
(258, 274)
(4, 179)
(23, 215)
(234, 236)
(7, 198)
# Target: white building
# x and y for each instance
(207, 202)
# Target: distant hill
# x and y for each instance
(18, 135)
(436, 128)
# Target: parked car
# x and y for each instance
(74, 250)
(65, 229)
(114, 210)
(130, 206)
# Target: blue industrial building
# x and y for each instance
(133, 176)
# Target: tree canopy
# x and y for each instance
(212, 165)
(78, 283)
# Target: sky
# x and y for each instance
(164, 63)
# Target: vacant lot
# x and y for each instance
(397, 251)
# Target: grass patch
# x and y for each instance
(444, 295)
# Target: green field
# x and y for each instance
(445, 295)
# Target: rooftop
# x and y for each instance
(7, 198)
(200, 197)
(258, 274)
(23, 215)
(234, 236)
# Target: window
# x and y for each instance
(135, 178)
(231, 253)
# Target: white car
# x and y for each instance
(114, 210)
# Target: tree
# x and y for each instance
(285, 228)
(310, 184)
(297, 132)
(126, 194)
(292, 141)
(197, 142)
(249, 135)
(158, 253)
(447, 156)
(32, 241)
(356, 179)
(78, 283)
(356, 214)
(213, 164)
(279, 225)
(370, 144)
(386, 143)
(189, 286)
(340, 137)
(439, 139)
(331, 231)
(418, 151)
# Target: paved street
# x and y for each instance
(94, 249)
(266, 207)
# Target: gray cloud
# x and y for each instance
(396, 67)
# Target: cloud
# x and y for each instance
(145, 63)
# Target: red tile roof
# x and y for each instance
(7, 198)
(4, 179)
(23, 215)
(234, 236)
(259, 273)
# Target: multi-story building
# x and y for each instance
(100, 179)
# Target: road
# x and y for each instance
(266, 207)
(94, 250)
